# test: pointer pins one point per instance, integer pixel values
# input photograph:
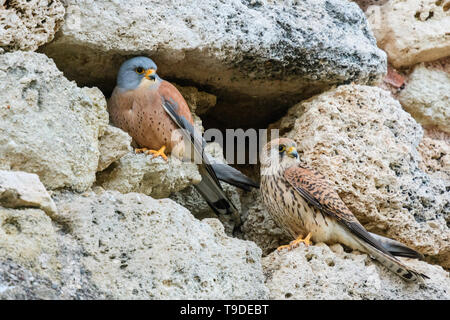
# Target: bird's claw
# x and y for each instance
(160, 152)
(295, 243)
(154, 153)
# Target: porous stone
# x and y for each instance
(28, 24)
(257, 57)
(112, 145)
(427, 97)
(151, 176)
(361, 139)
(137, 247)
(28, 237)
(20, 189)
(434, 150)
(411, 31)
(48, 125)
(317, 272)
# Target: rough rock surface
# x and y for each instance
(363, 141)
(27, 237)
(322, 272)
(48, 125)
(137, 247)
(112, 145)
(253, 55)
(19, 283)
(427, 97)
(435, 152)
(411, 31)
(21, 189)
(151, 176)
(28, 24)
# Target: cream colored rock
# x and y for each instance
(28, 237)
(28, 24)
(317, 272)
(112, 145)
(49, 126)
(427, 97)
(435, 152)
(20, 189)
(361, 139)
(258, 57)
(151, 176)
(411, 31)
(137, 247)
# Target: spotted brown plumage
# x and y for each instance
(153, 111)
(140, 112)
(302, 202)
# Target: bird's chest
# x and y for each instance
(288, 208)
(146, 121)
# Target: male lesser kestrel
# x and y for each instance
(153, 111)
(302, 202)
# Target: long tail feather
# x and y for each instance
(209, 187)
(392, 263)
(396, 248)
(234, 177)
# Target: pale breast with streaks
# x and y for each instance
(292, 213)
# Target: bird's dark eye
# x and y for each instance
(139, 70)
(282, 148)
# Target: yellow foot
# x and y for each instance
(155, 153)
(296, 243)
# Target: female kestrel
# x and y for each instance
(156, 116)
(302, 202)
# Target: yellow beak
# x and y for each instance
(292, 152)
(148, 73)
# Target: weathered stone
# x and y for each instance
(19, 283)
(316, 272)
(258, 58)
(137, 247)
(112, 145)
(28, 237)
(361, 139)
(151, 176)
(427, 97)
(411, 31)
(48, 125)
(20, 189)
(434, 150)
(28, 24)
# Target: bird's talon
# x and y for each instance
(157, 153)
(295, 243)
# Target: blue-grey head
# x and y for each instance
(137, 71)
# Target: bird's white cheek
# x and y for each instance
(145, 83)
